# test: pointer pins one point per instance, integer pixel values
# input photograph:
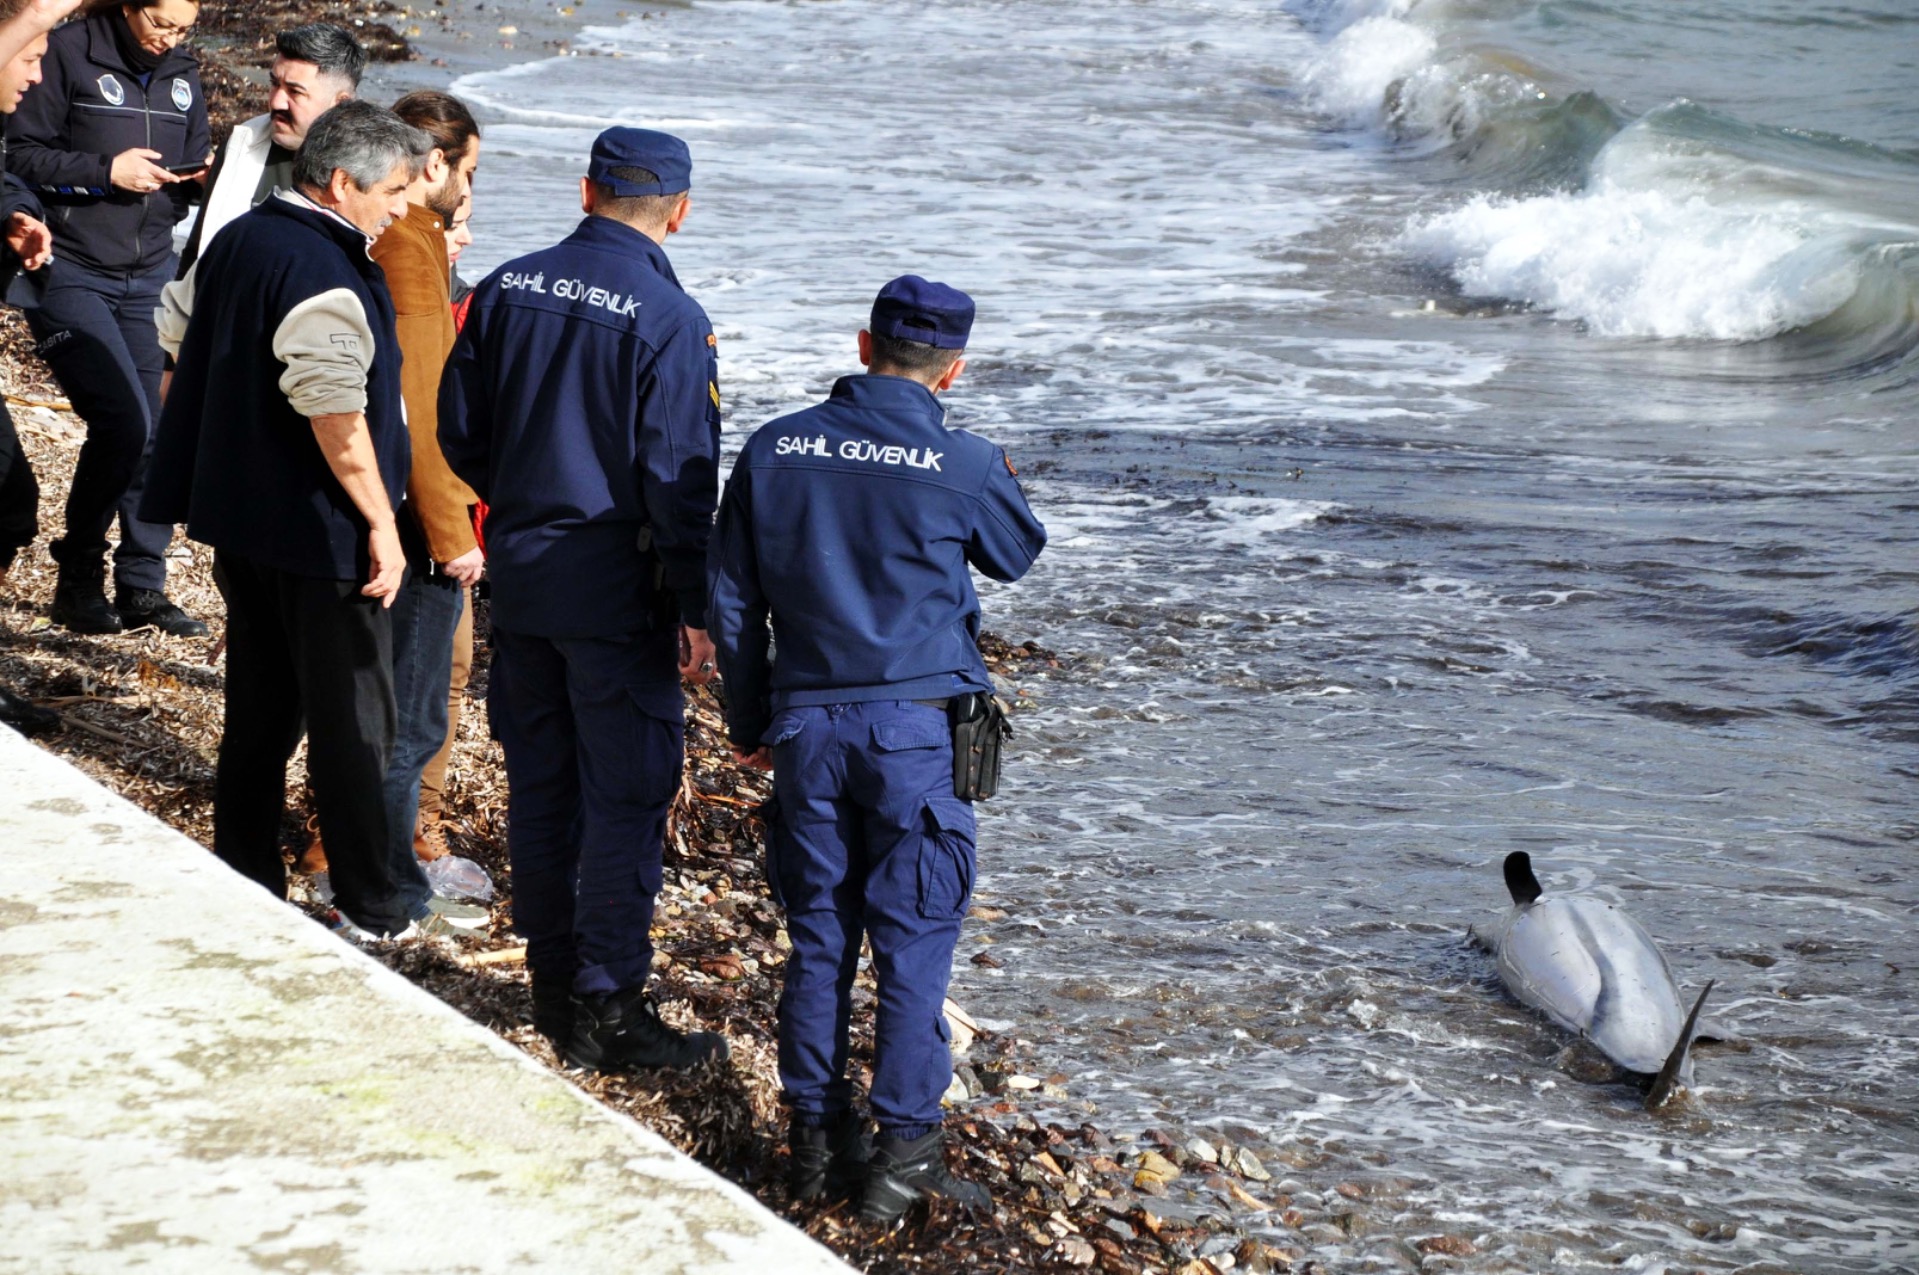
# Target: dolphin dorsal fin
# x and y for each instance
(1668, 1078)
(1520, 879)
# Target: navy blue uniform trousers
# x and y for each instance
(869, 839)
(96, 332)
(593, 730)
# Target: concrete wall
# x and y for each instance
(194, 1076)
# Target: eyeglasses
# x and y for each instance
(167, 31)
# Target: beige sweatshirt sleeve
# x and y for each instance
(175, 309)
(327, 346)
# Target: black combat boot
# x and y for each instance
(553, 1010)
(829, 1160)
(623, 1032)
(904, 1170)
(26, 716)
(151, 609)
(80, 601)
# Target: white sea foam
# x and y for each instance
(1351, 78)
(1646, 262)
(1254, 520)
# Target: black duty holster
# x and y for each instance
(979, 728)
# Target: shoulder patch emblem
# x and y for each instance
(1009, 464)
(714, 390)
(712, 341)
(110, 89)
(182, 94)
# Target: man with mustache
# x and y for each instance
(315, 68)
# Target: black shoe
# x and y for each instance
(26, 716)
(829, 1161)
(623, 1032)
(150, 609)
(902, 1171)
(80, 603)
(553, 1010)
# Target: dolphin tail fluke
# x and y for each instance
(1520, 879)
(1668, 1078)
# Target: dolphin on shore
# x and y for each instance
(1585, 964)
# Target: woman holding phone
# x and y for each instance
(114, 141)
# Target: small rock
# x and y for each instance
(1249, 1166)
(1048, 1163)
(1103, 1164)
(986, 961)
(1121, 1228)
(1323, 1233)
(960, 1027)
(1351, 1190)
(1214, 1245)
(1255, 1258)
(1202, 1151)
(1156, 1166)
(1023, 1082)
(726, 967)
(980, 912)
(956, 1093)
(1450, 1245)
(1241, 1196)
(1076, 1250)
(970, 1079)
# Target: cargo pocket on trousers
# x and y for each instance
(769, 814)
(657, 753)
(946, 859)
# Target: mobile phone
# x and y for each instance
(185, 170)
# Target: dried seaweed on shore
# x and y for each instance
(143, 713)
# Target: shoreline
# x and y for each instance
(143, 715)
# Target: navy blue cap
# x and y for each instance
(662, 154)
(913, 309)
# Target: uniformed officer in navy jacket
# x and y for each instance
(113, 140)
(852, 526)
(582, 403)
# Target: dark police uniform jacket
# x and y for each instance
(582, 403)
(287, 302)
(854, 523)
(90, 107)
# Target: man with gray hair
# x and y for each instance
(315, 68)
(283, 445)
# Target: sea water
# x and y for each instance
(1463, 426)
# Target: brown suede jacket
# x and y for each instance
(412, 251)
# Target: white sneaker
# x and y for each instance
(344, 926)
(461, 916)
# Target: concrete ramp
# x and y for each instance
(194, 1077)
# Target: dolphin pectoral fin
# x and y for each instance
(1520, 879)
(1668, 1078)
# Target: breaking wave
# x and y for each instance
(1682, 223)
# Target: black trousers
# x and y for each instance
(19, 494)
(96, 332)
(314, 655)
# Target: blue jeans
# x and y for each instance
(425, 614)
(869, 839)
(96, 332)
(593, 730)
